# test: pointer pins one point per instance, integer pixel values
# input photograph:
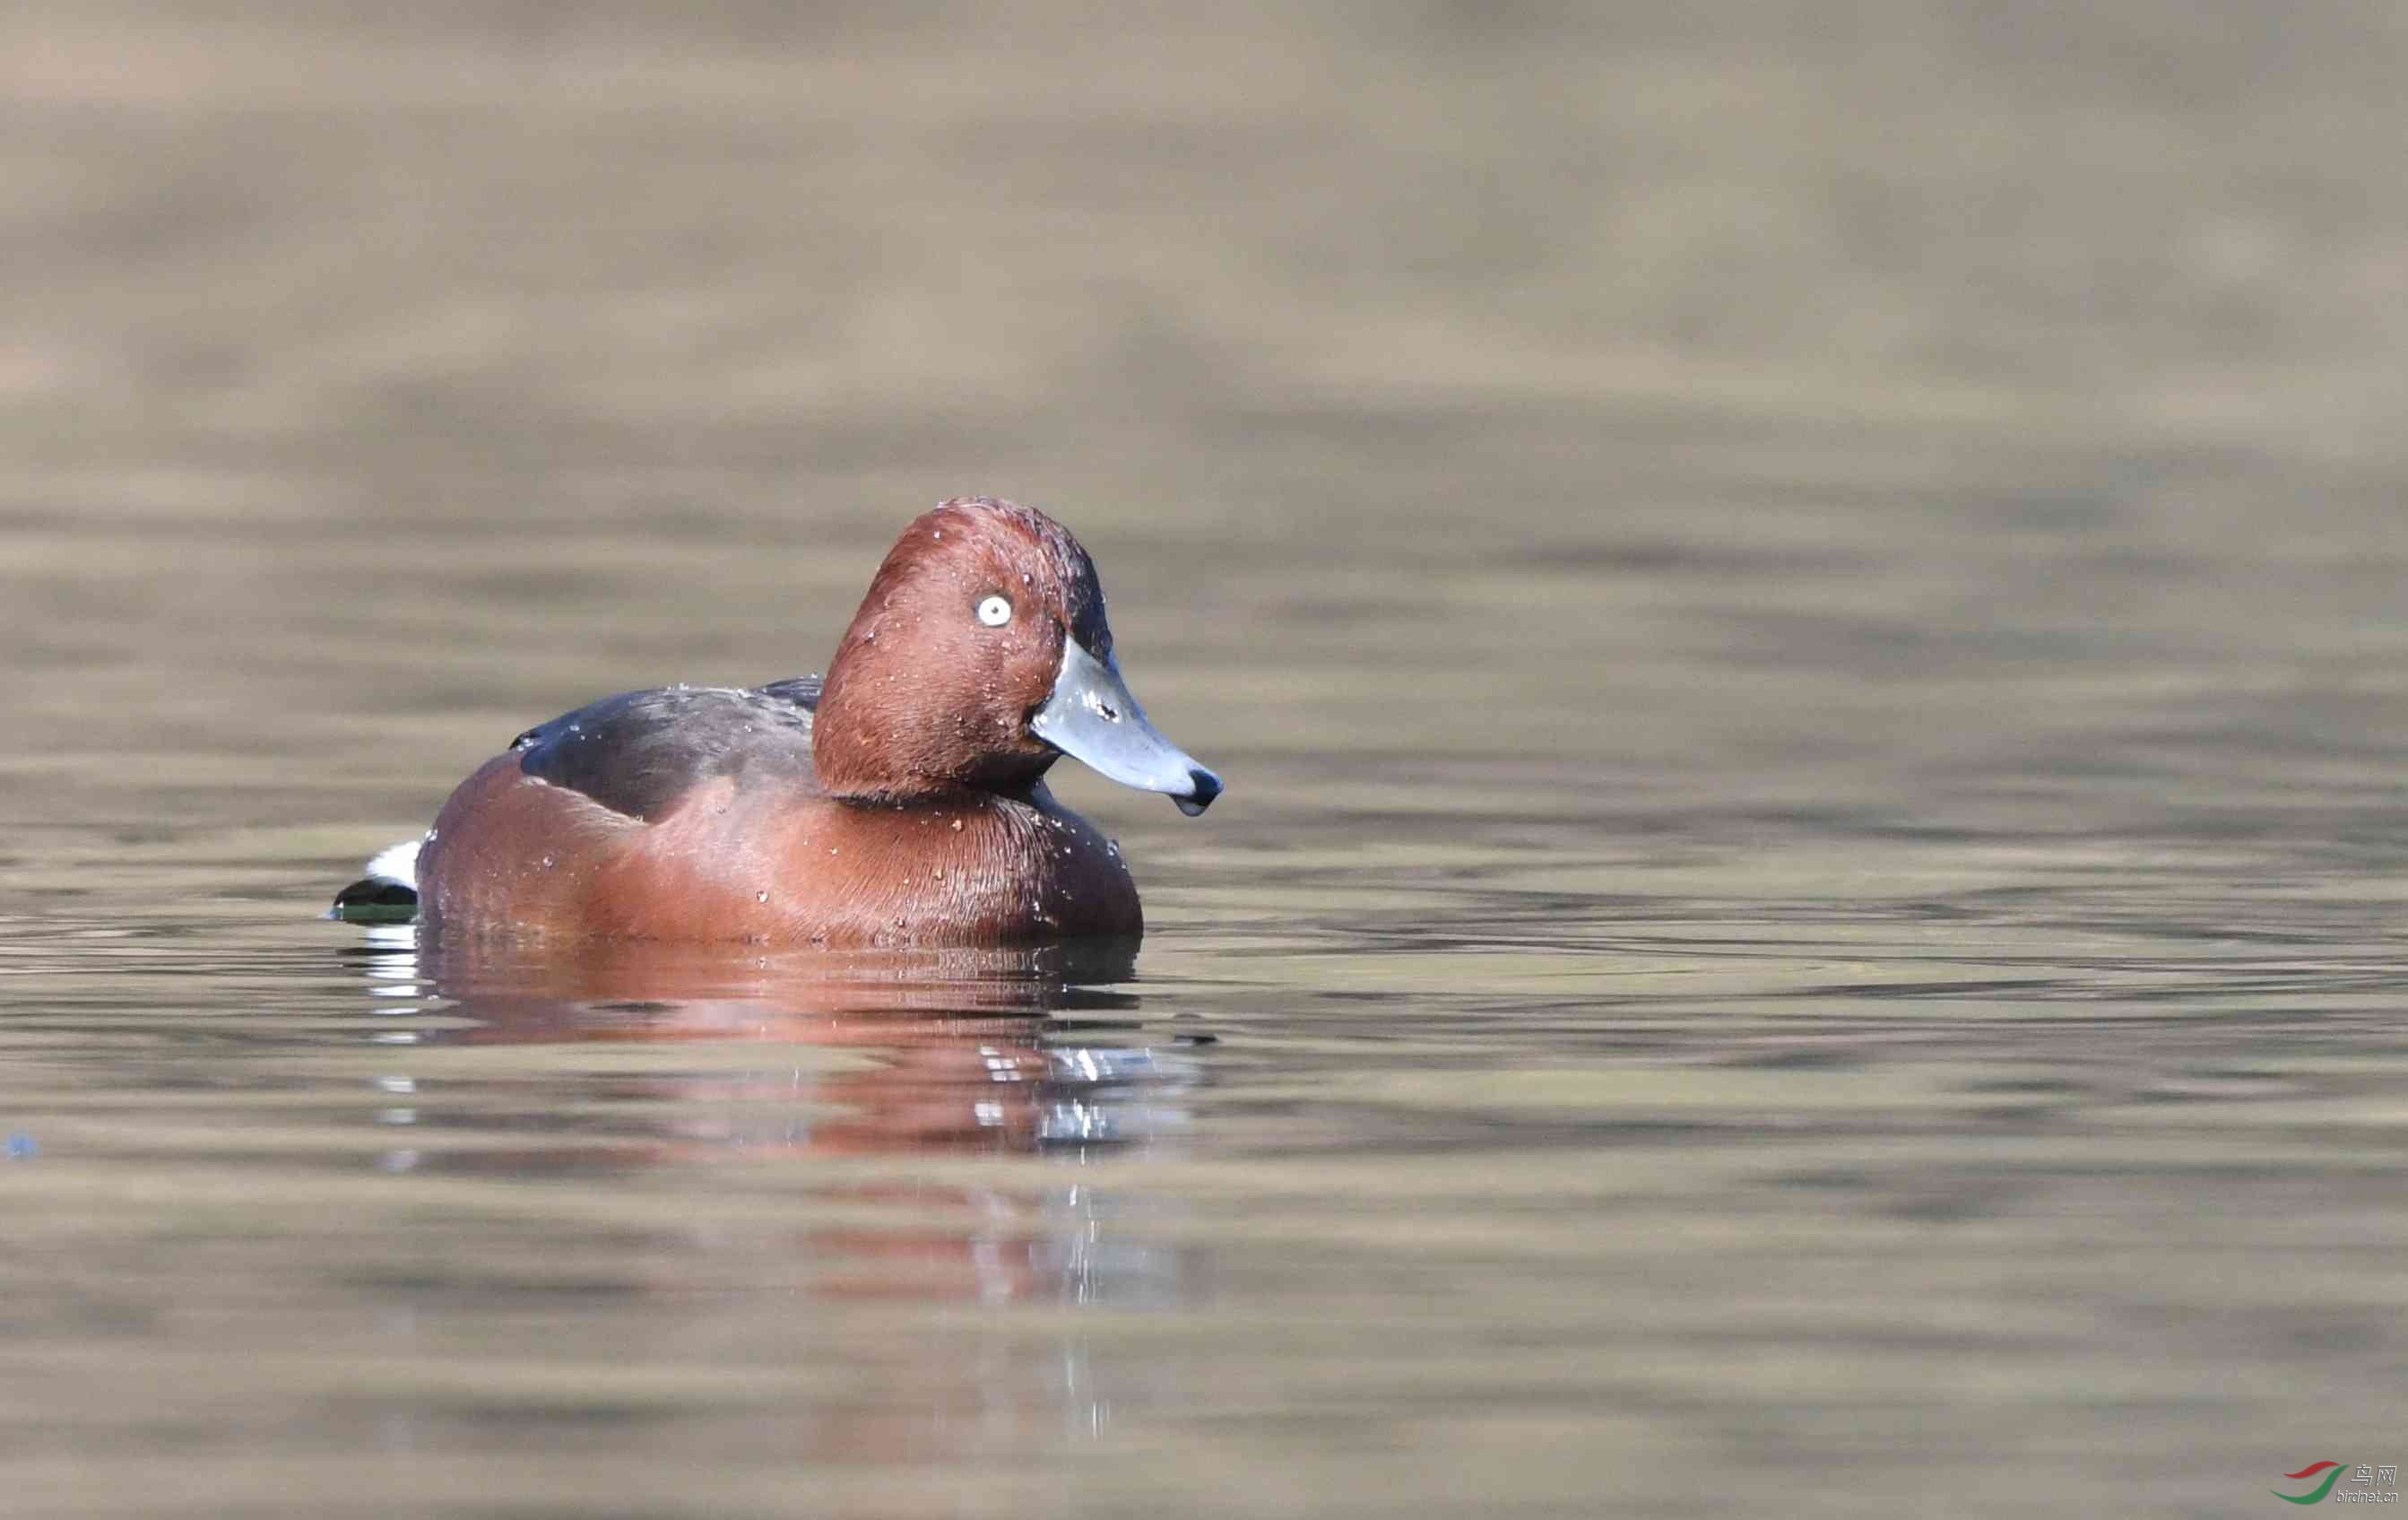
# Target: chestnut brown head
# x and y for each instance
(980, 656)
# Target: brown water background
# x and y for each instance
(1803, 610)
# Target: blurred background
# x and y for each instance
(1801, 605)
(366, 363)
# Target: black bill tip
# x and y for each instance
(1204, 786)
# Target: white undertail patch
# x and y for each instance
(397, 863)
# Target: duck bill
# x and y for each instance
(1090, 717)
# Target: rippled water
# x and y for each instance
(1810, 912)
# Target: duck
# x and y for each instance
(898, 800)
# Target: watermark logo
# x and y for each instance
(2368, 1484)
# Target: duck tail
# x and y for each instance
(387, 894)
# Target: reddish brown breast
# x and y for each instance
(771, 866)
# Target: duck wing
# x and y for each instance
(636, 753)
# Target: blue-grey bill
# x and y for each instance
(1092, 718)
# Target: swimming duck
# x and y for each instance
(898, 800)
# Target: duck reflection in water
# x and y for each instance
(956, 1052)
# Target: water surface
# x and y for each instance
(1803, 624)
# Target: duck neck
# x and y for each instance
(873, 744)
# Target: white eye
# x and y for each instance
(994, 611)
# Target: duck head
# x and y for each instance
(980, 656)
